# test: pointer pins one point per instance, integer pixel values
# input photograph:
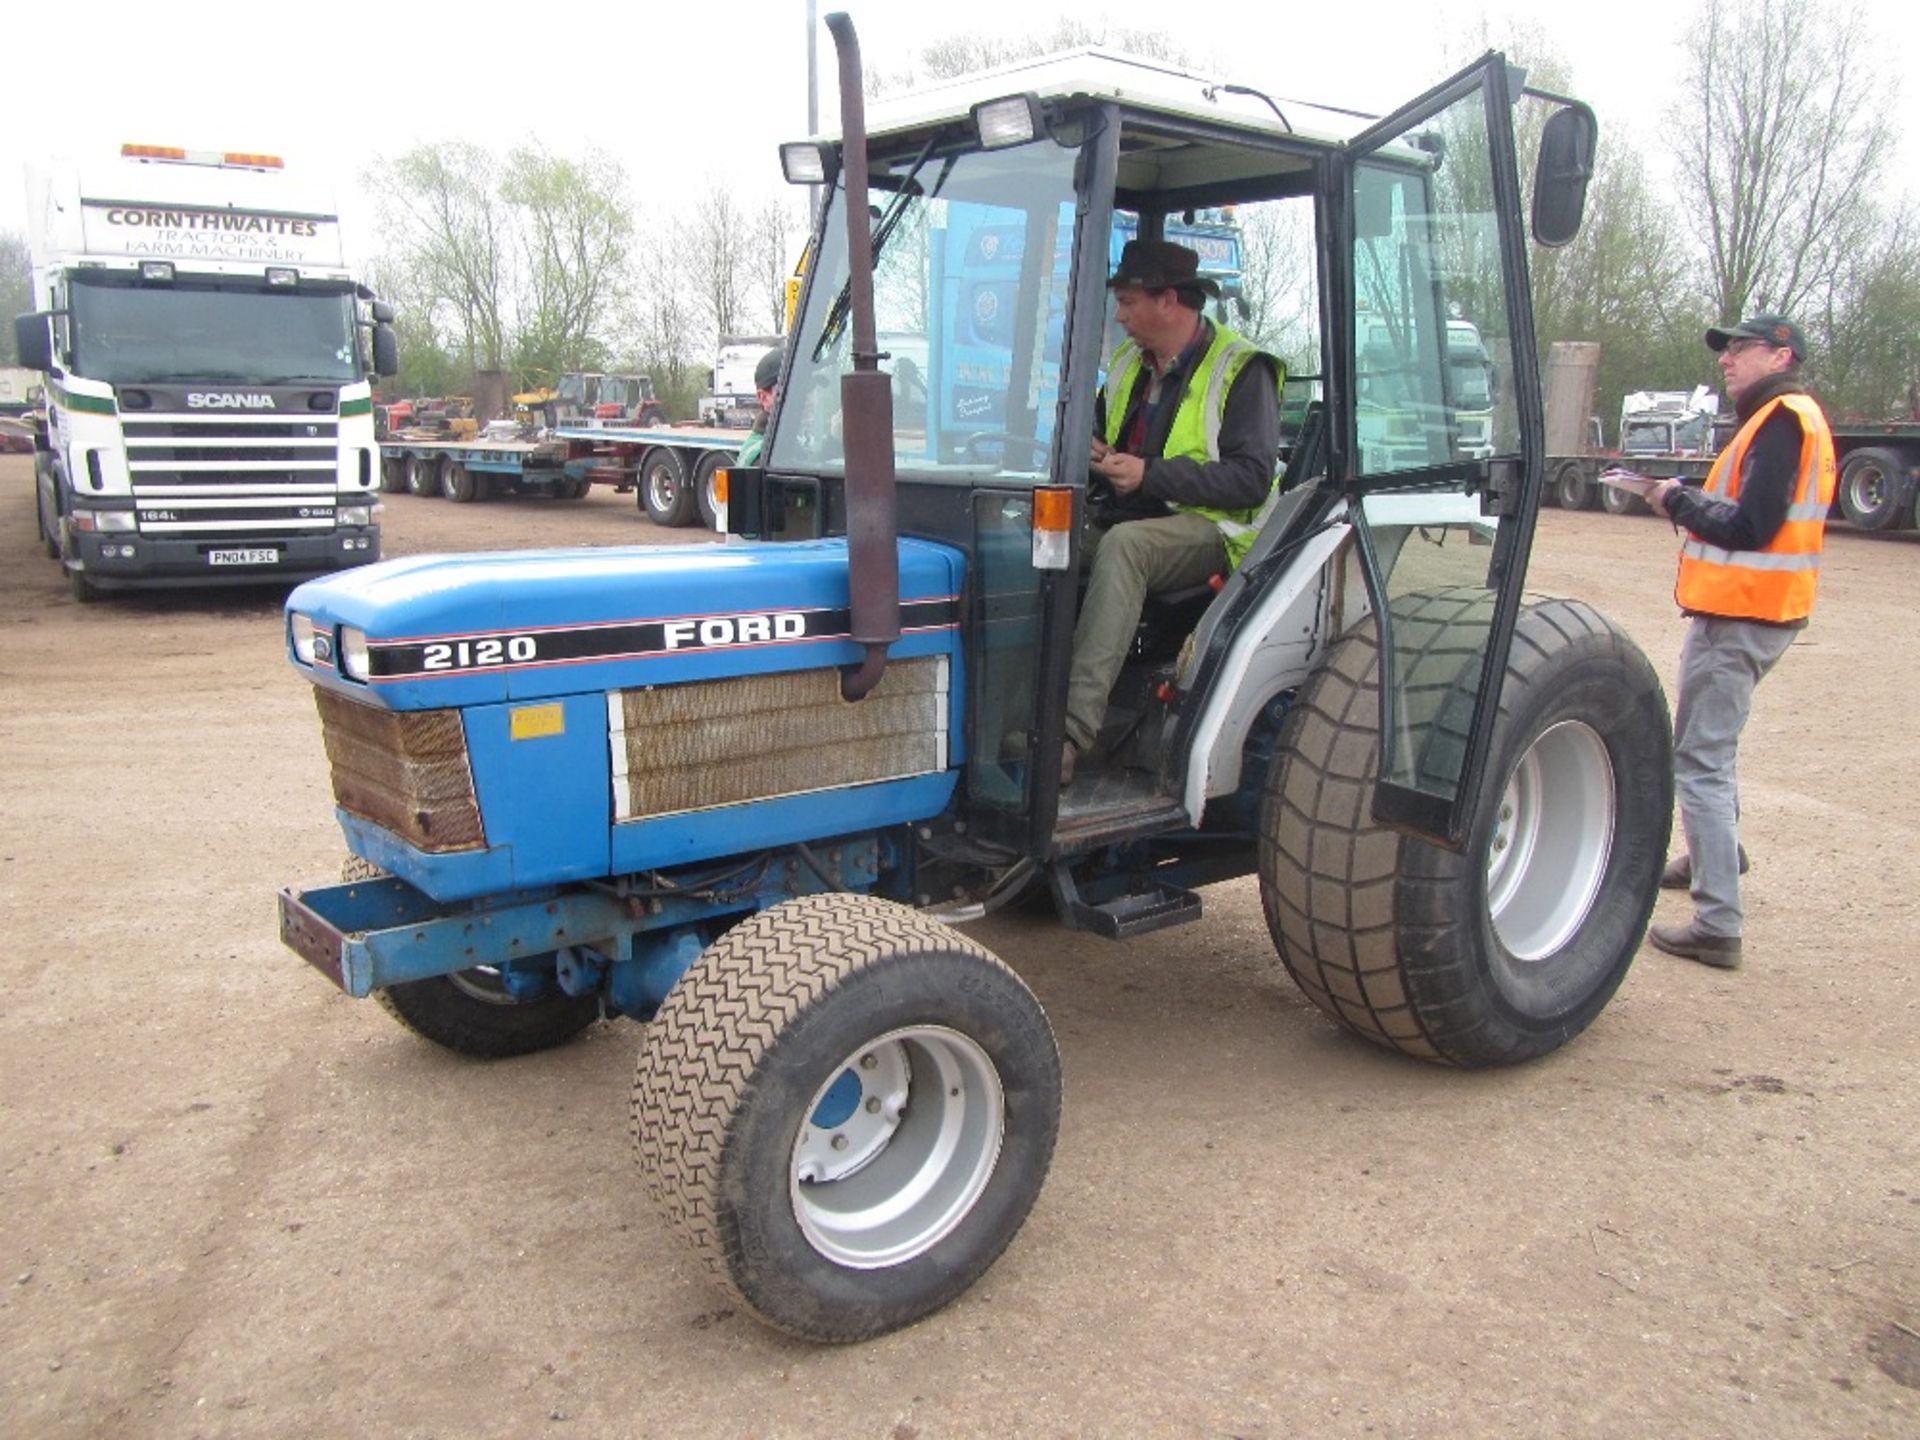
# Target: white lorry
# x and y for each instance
(734, 403)
(208, 359)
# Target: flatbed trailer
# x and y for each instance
(466, 470)
(1878, 490)
(671, 466)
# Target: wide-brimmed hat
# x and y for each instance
(1775, 330)
(1161, 265)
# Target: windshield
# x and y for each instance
(970, 288)
(124, 333)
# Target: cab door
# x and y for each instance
(1442, 477)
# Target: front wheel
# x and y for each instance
(847, 1109)
(1509, 948)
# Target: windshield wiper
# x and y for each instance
(882, 231)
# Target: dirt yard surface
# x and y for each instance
(238, 1203)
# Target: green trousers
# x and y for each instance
(1127, 563)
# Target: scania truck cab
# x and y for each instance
(747, 792)
(208, 357)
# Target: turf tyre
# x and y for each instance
(1457, 957)
(732, 1085)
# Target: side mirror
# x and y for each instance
(386, 351)
(33, 340)
(1567, 146)
(382, 312)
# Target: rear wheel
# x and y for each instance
(703, 481)
(1573, 488)
(847, 1109)
(1509, 949)
(1616, 501)
(423, 475)
(459, 483)
(664, 492)
(1870, 490)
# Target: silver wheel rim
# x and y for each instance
(897, 1147)
(661, 490)
(1870, 488)
(1552, 837)
(483, 983)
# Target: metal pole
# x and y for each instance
(814, 196)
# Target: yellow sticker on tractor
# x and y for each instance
(536, 722)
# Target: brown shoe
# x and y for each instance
(1679, 872)
(1691, 943)
(1067, 756)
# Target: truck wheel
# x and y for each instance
(393, 475)
(49, 526)
(1616, 501)
(847, 1109)
(1510, 948)
(1870, 489)
(84, 590)
(710, 462)
(470, 1012)
(1573, 489)
(664, 492)
(458, 483)
(423, 475)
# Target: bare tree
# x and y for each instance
(964, 52)
(16, 290)
(771, 253)
(574, 227)
(453, 240)
(1781, 138)
(717, 248)
(667, 326)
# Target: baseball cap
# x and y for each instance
(766, 374)
(1775, 330)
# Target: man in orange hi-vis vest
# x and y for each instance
(1748, 568)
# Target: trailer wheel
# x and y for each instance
(1573, 489)
(459, 483)
(710, 463)
(664, 492)
(847, 1109)
(393, 475)
(1616, 501)
(1511, 948)
(1870, 490)
(423, 475)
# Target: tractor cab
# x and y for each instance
(1356, 254)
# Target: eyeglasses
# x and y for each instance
(1740, 347)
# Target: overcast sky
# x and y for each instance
(684, 95)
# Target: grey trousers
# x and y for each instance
(1720, 664)
(1128, 563)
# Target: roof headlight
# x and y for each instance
(1014, 120)
(803, 162)
(353, 653)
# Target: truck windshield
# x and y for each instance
(124, 333)
(970, 286)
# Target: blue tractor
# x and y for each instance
(745, 792)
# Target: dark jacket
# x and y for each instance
(1766, 489)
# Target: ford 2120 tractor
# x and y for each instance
(743, 792)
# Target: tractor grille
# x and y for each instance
(725, 742)
(404, 770)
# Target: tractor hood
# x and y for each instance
(433, 631)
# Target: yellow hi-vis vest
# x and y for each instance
(1196, 424)
(1777, 581)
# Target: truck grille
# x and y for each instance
(221, 474)
(404, 770)
(725, 742)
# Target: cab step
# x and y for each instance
(1120, 908)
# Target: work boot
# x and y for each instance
(1692, 943)
(1679, 872)
(1067, 756)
